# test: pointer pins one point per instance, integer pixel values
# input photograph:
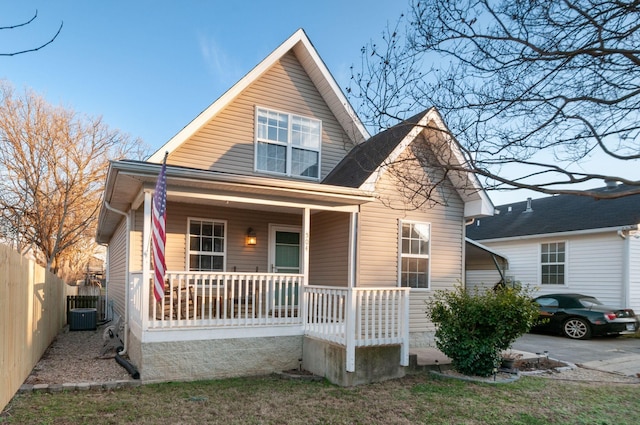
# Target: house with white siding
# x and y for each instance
(567, 243)
(288, 243)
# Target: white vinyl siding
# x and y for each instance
(594, 264)
(226, 143)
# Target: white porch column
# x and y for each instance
(404, 348)
(146, 259)
(353, 249)
(306, 231)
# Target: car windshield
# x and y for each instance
(589, 302)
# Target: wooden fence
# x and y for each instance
(32, 312)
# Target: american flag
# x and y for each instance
(159, 237)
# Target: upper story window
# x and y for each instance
(207, 245)
(287, 144)
(414, 254)
(552, 261)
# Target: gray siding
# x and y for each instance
(117, 267)
(240, 258)
(329, 249)
(378, 250)
(226, 143)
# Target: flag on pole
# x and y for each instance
(158, 235)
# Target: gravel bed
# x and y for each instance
(78, 357)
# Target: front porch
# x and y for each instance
(229, 307)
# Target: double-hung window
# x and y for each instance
(207, 245)
(287, 144)
(414, 248)
(552, 261)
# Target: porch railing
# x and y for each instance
(352, 317)
(227, 299)
(378, 316)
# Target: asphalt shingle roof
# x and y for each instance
(356, 167)
(561, 213)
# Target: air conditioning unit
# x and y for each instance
(83, 319)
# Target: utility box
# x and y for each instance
(83, 319)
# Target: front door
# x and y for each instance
(284, 249)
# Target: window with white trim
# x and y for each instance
(552, 261)
(207, 245)
(414, 251)
(287, 144)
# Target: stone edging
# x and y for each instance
(82, 386)
(485, 380)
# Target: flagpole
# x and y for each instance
(158, 231)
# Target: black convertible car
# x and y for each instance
(580, 316)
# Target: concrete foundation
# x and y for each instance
(373, 364)
(215, 359)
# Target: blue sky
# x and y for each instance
(150, 67)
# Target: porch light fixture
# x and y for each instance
(251, 237)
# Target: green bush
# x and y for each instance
(473, 329)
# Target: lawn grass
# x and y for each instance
(419, 398)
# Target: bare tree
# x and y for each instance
(53, 164)
(532, 90)
(34, 49)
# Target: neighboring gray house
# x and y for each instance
(567, 243)
(287, 238)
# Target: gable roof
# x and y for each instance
(318, 72)
(367, 162)
(556, 214)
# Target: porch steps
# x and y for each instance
(428, 359)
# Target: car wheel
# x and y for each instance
(576, 328)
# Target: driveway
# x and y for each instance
(620, 355)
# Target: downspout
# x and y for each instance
(126, 292)
(106, 279)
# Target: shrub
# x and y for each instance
(473, 329)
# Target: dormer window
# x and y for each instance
(287, 144)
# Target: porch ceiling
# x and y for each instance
(128, 180)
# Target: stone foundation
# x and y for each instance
(218, 358)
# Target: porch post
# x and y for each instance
(146, 259)
(306, 218)
(404, 348)
(350, 337)
(304, 296)
(353, 249)
(352, 304)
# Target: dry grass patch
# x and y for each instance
(417, 398)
